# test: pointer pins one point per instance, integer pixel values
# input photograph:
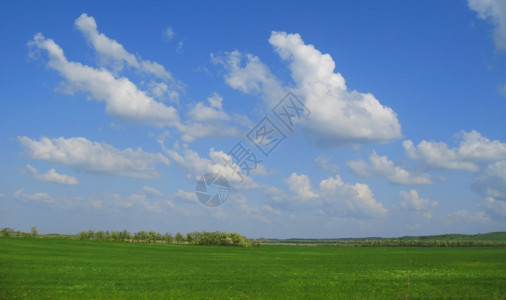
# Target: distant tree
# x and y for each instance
(167, 238)
(99, 235)
(7, 232)
(189, 238)
(179, 238)
(141, 236)
(125, 235)
(82, 235)
(34, 231)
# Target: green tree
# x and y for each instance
(167, 238)
(34, 231)
(7, 231)
(99, 235)
(179, 238)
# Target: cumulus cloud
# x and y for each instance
(52, 176)
(248, 74)
(208, 120)
(495, 12)
(413, 202)
(300, 185)
(338, 116)
(195, 166)
(382, 166)
(122, 97)
(472, 150)
(476, 147)
(333, 197)
(213, 111)
(92, 157)
(492, 183)
(350, 199)
(495, 207)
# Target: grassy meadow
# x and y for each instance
(43, 268)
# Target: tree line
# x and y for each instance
(215, 238)
(433, 243)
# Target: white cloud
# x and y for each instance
(93, 157)
(476, 147)
(437, 154)
(186, 196)
(338, 116)
(52, 176)
(323, 162)
(192, 130)
(496, 207)
(463, 218)
(113, 50)
(148, 190)
(495, 12)
(215, 100)
(37, 197)
(209, 120)
(196, 166)
(264, 213)
(213, 111)
(382, 166)
(492, 183)
(413, 202)
(122, 97)
(145, 200)
(348, 199)
(333, 197)
(248, 74)
(300, 185)
(472, 150)
(169, 33)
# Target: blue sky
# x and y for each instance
(111, 112)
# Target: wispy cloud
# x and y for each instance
(92, 157)
(52, 176)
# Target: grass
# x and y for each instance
(44, 268)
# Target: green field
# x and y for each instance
(40, 268)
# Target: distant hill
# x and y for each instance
(481, 239)
(499, 236)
